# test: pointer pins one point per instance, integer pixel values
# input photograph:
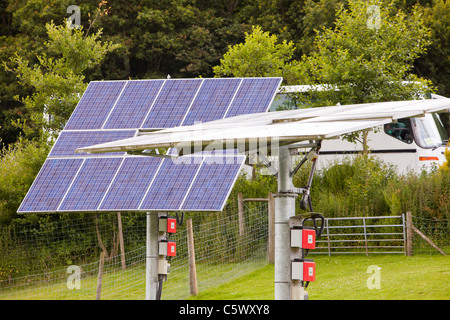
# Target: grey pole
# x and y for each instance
(284, 209)
(151, 271)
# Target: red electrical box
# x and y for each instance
(168, 225)
(309, 270)
(303, 237)
(171, 249)
(171, 225)
(167, 248)
(304, 270)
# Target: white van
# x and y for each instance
(411, 144)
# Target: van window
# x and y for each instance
(400, 130)
(429, 131)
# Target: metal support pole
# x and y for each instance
(151, 271)
(284, 209)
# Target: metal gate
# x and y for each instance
(384, 234)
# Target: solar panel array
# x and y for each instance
(115, 110)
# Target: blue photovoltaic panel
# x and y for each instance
(212, 101)
(254, 95)
(95, 105)
(133, 104)
(212, 184)
(69, 141)
(172, 103)
(131, 183)
(71, 181)
(170, 185)
(91, 184)
(50, 185)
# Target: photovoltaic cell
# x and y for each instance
(212, 184)
(133, 104)
(50, 185)
(172, 103)
(212, 100)
(170, 186)
(95, 105)
(254, 95)
(68, 141)
(130, 183)
(91, 184)
(70, 181)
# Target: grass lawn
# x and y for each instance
(420, 277)
(340, 277)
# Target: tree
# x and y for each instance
(368, 56)
(57, 80)
(19, 164)
(435, 64)
(259, 56)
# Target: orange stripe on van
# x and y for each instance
(428, 159)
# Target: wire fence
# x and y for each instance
(437, 230)
(61, 259)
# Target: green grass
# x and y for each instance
(423, 277)
(341, 277)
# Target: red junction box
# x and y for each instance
(171, 249)
(303, 269)
(309, 238)
(309, 270)
(303, 237)
(171, 225)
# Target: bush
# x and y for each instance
(19, 165)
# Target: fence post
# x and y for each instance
(122, 247)
(241, 215)
(409, 234)
(193, 288)
(271, 212)
(100, 275)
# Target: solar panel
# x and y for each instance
(253, 96)
(114, 110)
(214, 179)
(49, 187)
(95, 105)
(68, 141)
(131, 183)
(134, 104)
(170, 186)
(172, 103)
(212, 101)
(90, 184)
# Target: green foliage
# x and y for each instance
(368, 63)
(57, 80)
(435, 64)
(19, 165)
(446, 165)
(363, 186)
(259, 56)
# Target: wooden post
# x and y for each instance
(271, 212)
(100, 275)
(241, 215)
(193, 288)
(122, 247)
(409, 234)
